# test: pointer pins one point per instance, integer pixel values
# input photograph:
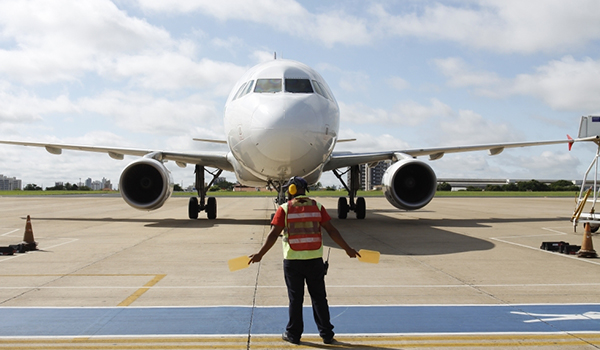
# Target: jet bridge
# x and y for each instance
(589, 129)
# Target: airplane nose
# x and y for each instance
(276, 126)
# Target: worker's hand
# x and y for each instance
(352, 253)
(254, 258)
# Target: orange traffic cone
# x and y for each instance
(28, 239)
(587, 247)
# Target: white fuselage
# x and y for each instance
(281, 120)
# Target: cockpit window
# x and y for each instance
(321, 90)
(268, 85)
(238, 94)
(249, 88)
(298, 86)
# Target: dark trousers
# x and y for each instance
(312, 271)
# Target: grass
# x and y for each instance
(52, 193)
(569, 194)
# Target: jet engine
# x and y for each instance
(409, 184)
(146, 184)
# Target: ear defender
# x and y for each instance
(292, 189)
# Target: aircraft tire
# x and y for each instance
(211, 208)
(342, 208)
(361, 208)
(193, 208)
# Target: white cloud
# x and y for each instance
(468, 127)
(510, 164)
(369, 143)
(506, 26)
(406, 113)
(261, 56)
(398, 83)
(60, 40)
(172, 71)
(145, 113)
(287, 16)
(461, 75)
(21, 107)
(565, 85)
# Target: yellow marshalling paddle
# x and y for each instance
(368, 256)
(238, 263)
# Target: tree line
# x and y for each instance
(521, 186)
(65, 187)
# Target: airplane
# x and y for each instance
(281, 120)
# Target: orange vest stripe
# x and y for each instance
(304, 228)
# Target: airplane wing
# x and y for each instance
(345, 159)
(210, 159)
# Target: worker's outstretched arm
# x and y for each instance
(338, 239)
(271, 239)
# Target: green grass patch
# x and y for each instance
(506, 194)
(312, 193)
(52, 193)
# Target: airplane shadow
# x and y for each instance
(167, 223)
(388, 235)
(395, 236)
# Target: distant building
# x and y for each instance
(371, 177)
(9, 183)
(106, 185)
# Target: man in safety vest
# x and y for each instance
(303, 218)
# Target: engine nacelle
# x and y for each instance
(146, 184)
(409, 184)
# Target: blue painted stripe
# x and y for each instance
(234, 320)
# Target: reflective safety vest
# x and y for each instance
(303, 222)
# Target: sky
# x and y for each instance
(406, 74)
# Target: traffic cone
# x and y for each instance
(587, 247)
(28, 239)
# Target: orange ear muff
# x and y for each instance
(292, 189)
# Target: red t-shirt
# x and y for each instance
(279, 218)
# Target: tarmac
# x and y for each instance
(461, 272)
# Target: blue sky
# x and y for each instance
(407, 74)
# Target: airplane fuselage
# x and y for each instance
(281, 120)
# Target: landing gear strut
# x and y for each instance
(200, 203)
(360, 206)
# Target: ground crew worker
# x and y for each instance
(303, 218)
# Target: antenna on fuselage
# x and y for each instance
(275, 55)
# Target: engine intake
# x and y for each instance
(146, 184)
(409, 184)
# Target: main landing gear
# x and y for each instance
(200, 203)
(359, 206)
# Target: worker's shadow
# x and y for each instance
(341, 345)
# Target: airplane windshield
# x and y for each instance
(298, 86)
(268, 85)
(321, 90)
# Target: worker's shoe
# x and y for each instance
(285, 336)
(329, 341)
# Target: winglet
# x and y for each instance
(571, 141)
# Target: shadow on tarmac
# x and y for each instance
(341, 345)
(420, 236)
(388, 235)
